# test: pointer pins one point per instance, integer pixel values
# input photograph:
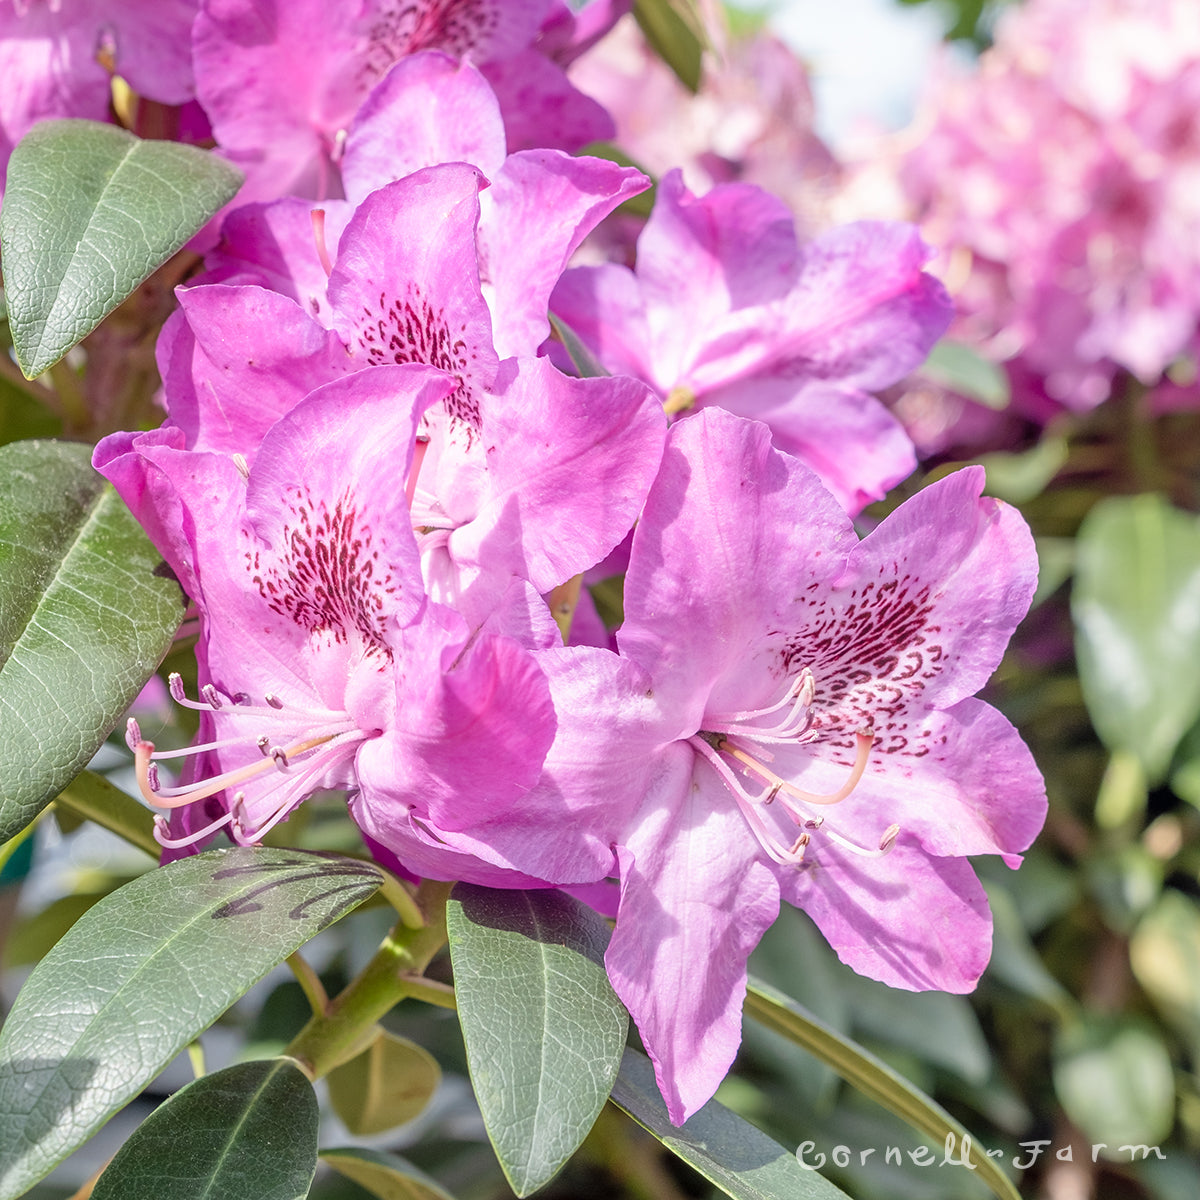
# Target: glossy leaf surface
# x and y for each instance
(139, 975)
(89, 212)
(87, 610)
(729, 1152)
(543, 1028)
(248, 1131)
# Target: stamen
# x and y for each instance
(211, 696)
(178, 797)
(318, 224)
(264, 744)
(273, 700)
(163, 838)
(133, 734)
(279, 758)
(243, 468)
(864, 739)
(798, 699)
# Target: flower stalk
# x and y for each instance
(392, 975)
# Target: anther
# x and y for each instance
(211, 696)
(281, 759)
(133, 734)
(243, 468)
(889, 838)
(263, 742)
(175, 686)
(273, 700)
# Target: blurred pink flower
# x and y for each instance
(1060, 177)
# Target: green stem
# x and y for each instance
(392, 975)
(310, 983)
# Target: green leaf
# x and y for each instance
(249, 1131)
(1136, 606)
(89, 212)
(543, 1028)
(387, 1176)
(962, 369)
(386, 1085)
(1018, 478)
(86, 612)
(729, 1152)
(34, 934)
(1113, 1077)
(1165, 955)
(676, 36)
(139, 976)
(21, 416)
(872, 1077)
(93, 798)
(581, 357)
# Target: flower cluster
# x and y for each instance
(381, 479)
(1060, 178)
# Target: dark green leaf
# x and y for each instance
(871, 1077)
(674, 32)
(86, 612)
(543, 1028)
(34, 934)
(741, 1160)
(89, 212)
(387, 1176)
(249, 1131)
(139, 976)
(389, 1083)
(1113, 1077)
(1136, 605)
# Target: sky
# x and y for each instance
(866, 57)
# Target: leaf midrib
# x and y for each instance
(43, 323)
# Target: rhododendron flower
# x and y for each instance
(726, 309)
(1059, 175)
(535, 210)
(325, 664)
(792, 715)
(525, 472)
(286, 129)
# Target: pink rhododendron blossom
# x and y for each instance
(286, 129)
(535, 211)
(523, 472)
(792, 715)
(726, 309)
(1060, 177)
(325, 663)
(57, 59)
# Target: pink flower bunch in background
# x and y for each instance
(381, 480)
(1059, 179)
